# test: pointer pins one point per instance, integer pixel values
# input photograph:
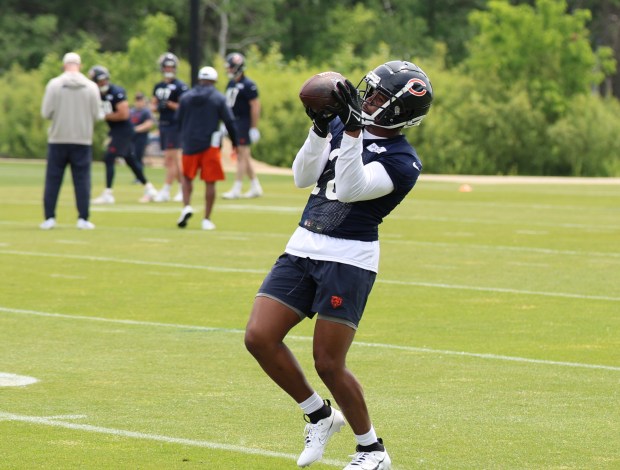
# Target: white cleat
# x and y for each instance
(105, 198)
(48, 224)
(317, 436)
(253, 192)
(231, 195)
(374, 460)
(207, 224)
(162, 196)
(150, 193)
(83, 224)
(186, 213)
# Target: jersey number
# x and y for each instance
(330, 186)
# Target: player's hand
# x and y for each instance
(162, 105)
(320, 121)
(254, 135)
(350, 106)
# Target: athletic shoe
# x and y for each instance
(232, 194)
(105, 198)
(186, 213)
(150, 193)
(178, 197)
(253, 192)
(317, 435)
(162, 196)
(207, 224)
(48, 224)
(83, 224)
(374, 460)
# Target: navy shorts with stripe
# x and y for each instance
(336, 291)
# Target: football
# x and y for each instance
(316, 92)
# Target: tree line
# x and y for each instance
(522, 87)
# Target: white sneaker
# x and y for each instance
(150, 193)
(232, 194)
(375, 460)
(254, 192)
(317, 436)
(85, 225)
(162, 196)
(186, 213)
(207, 224)
(178, 197)
(48, 224)
(105, 198)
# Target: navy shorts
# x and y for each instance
(336, 291)
(169, 137)
(243, 131)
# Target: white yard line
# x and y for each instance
(309, 338)
(264, 271)
(44, 421)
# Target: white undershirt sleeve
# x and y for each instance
(356, 181)
(310, 160)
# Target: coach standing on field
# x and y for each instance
(73, 103)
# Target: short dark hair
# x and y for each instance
(139, 96)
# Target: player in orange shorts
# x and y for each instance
(200, 112)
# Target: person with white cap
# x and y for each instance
(72, 103)
(200, 112)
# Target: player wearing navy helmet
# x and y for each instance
(116, 113)
(242, 96)
(361, 167)
(165, 101)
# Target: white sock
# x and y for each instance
(255, 183)
(237, 186)
(312, 404)
(366, 439)
(166, 189)
(107, 190)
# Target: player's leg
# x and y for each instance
(81, 161)
(54, 174)
(246, 168)
(109, 159)
(269, 323)
(333, 335)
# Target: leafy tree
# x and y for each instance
(542, 48)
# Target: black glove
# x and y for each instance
(350, 106)
(320, 121)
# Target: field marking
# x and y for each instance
(498, 357)
(264, 271)
(153, 437)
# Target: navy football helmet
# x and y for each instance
(98, 73)
(168, 60)
(407, 90)
(235, 64)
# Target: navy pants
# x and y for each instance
(79, 158)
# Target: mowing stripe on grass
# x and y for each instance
(263, 272)
(309, 338)
(153, 437)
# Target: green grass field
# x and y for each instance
(491, 339)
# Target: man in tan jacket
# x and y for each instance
(73, 104)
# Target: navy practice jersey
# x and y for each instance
(109, 101)
(239, 94)
(200, 111)
(165, 91)
(325, 214)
